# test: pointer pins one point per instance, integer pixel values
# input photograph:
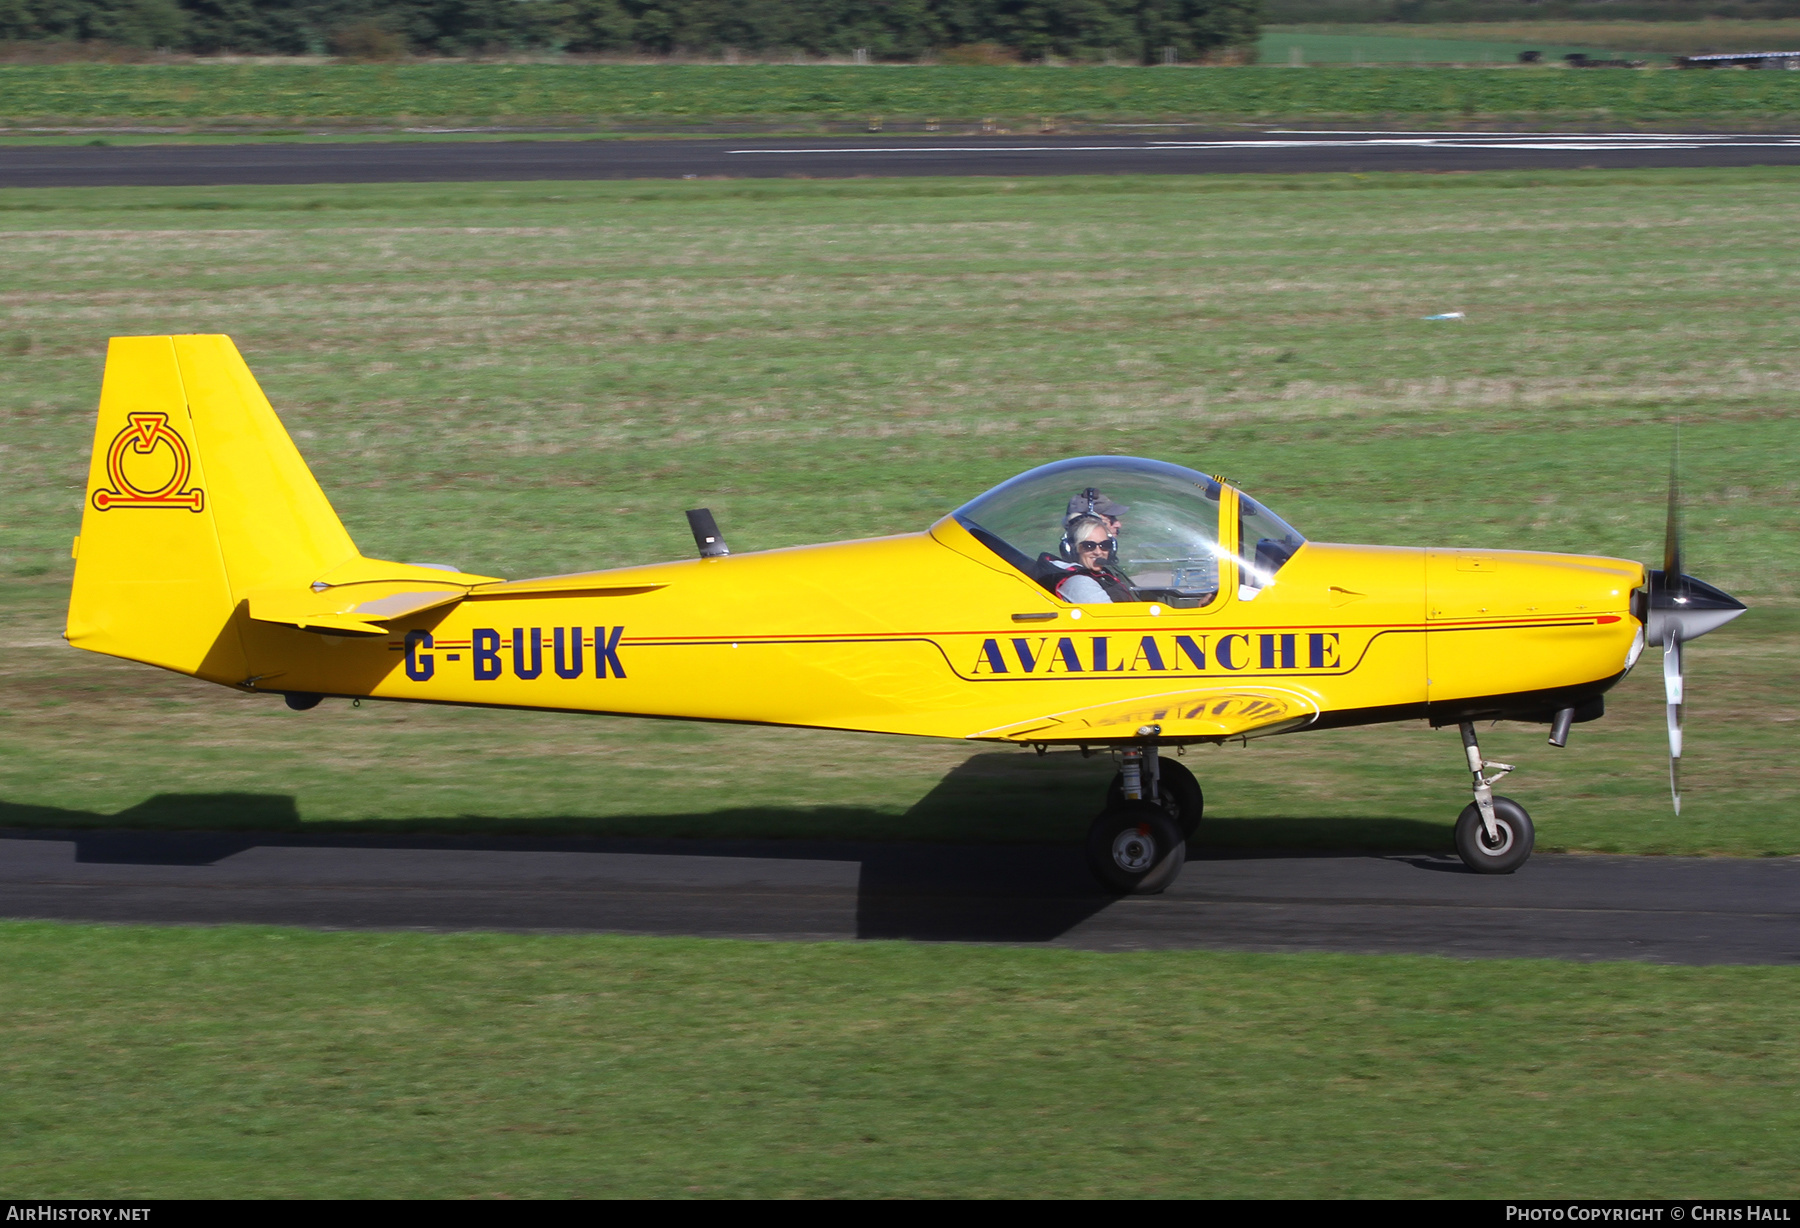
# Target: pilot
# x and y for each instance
(1092, 503)
(1084, 574)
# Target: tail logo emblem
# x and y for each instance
(146, 435)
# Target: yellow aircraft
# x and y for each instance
(1100, 602)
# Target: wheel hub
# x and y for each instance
(1500, 846)
(1134, 849)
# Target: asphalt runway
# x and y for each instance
(1681, 910)
(825, 158)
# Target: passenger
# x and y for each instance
(1084, 575)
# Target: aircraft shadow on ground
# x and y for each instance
(938, 885)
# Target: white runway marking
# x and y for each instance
(1536, 136)
(1573, 143)
(1412, 143)
(981, 149)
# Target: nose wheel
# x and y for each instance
(1506, 849)
(1493, 834)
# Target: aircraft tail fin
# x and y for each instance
(195, 496)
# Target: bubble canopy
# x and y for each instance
(1165, 520)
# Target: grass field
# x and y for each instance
(188, 95)
(499, 376)
(267, 1063)
(540, 377)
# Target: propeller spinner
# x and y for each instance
(1681, 608)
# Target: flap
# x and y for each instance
(1212, 712)
(351, 609)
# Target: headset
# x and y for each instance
(1066, 547)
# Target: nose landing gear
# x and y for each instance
(1493, 834)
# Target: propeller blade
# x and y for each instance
(1673, 686)
(1680, 608)
(1672, 560)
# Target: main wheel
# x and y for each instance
(1486, 856)
(1136, 849)
(1181, 795)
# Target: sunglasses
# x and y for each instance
(1106, 545)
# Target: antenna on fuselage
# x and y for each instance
(706, 533)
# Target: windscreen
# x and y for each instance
(1163, 520)
(1265, 543)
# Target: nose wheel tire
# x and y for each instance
(1502, 856)
(1180, 794)
(1135, 848)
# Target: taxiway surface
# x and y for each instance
(1687, 910)
(878, 156)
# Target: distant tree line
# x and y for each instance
(887, 29)
(1293, 12)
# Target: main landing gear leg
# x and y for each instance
(1139, 842)
(1493, 834)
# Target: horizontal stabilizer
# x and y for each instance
(349, 609)
(1209, 713)
(363, 596)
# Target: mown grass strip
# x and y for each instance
(248, 1062)
(558, 199)
(197, 92)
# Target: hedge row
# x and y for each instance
(887, 29)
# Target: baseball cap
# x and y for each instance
(1091, 500)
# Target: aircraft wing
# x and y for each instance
(1213, 712)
